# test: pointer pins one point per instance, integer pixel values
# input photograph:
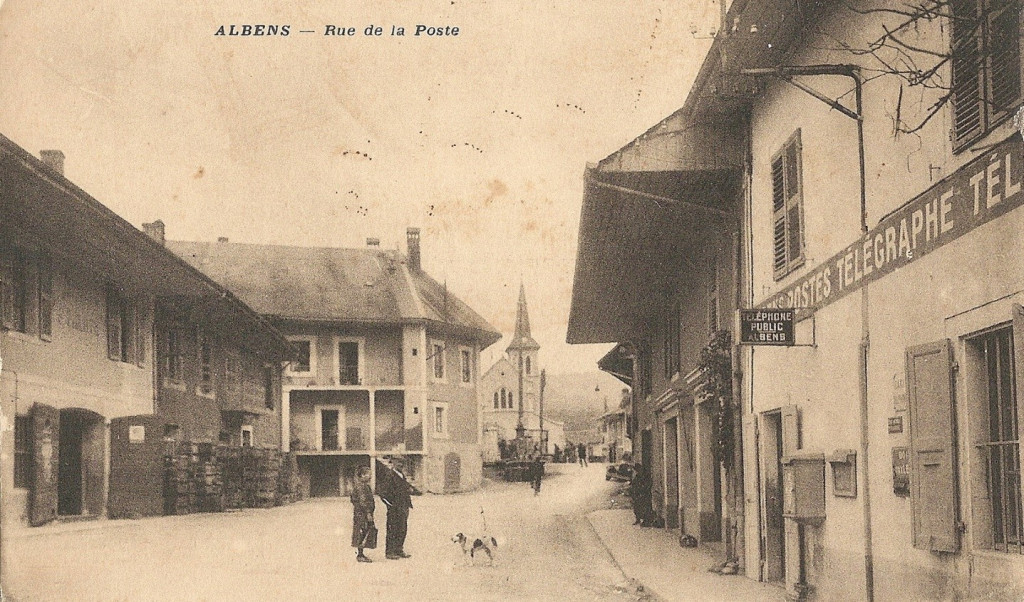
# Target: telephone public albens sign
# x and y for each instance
(767, 326)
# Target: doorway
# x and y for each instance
(774, 527)
(452, 472)
(671, 473)
(80, 462)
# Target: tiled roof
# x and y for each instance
(332, 284)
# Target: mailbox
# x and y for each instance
(803, 488)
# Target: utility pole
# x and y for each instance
(543, 438)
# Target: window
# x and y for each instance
(269, 391)
(986, 65)
(505, 403)
(787, 208)
(495, 400)
(527, 364)
(348, 363)
(23, 451)
(440, 420)
(170, 355)
(14, 289)
(233, 374)
(466, 365)
(246, 436)
(205, 365)
(304, 363)
(437, 356)
(122, 334)
(45, 297)
(1001, 444)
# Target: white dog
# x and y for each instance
(472, 544)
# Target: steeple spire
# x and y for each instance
(522, 339)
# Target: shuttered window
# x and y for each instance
(45, 275)
(124, 342)
(933, 468)
(985, 49)
(13, 289)
(787, 208)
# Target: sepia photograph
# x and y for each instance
(507, 300)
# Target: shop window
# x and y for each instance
(787, 208)
(23, 451)
(122, 327)
(1000, 443)
(985, 48)
(14, 289)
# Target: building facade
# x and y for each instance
(387, 359)
(880, 452)
(81, 293)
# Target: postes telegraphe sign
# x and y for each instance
(767, 326)
(984, 189)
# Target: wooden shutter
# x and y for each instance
(779, 214)
(794, 208)
(968, 113)
(751, 493)
(933, 482)
(7, 288)
(1003, 56)
(113, 324)
(1018, 367)
(45, 448)
(790, 430)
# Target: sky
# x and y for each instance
(479, 139)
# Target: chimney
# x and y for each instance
(372, 242)
(222, 239)
(155, 230)
(54, 159)
(413, 241)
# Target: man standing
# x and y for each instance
(395, 491)
(581, 451)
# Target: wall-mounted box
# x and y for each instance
(803, 488)
(844, 472)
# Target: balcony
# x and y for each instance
(338, 422)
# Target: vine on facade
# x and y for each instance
(716, 389)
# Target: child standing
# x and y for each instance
(362, 511)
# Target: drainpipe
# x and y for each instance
(787, 73)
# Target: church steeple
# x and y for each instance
(521, 339)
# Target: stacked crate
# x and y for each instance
(268, 471)
(288, 481)
(231, 476)
(209, 482)
(179, 479)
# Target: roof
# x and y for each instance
(82, 233)
(329, 284)
(521, 338)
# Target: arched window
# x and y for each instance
(527, 364)
(495, 400)
(503, 398)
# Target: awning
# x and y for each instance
(619, 362)
(638, 231)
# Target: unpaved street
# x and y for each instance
(547, 551)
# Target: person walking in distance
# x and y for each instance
(581, 451)
(537, 473)
(395, 492)
(362, 513)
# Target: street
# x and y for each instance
(547, 551)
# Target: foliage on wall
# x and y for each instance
(716, 389)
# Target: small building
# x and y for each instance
(387, 359)
(614, 427)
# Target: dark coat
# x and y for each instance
(362, 511)
(395, 491)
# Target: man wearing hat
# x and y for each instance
(394, 490)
